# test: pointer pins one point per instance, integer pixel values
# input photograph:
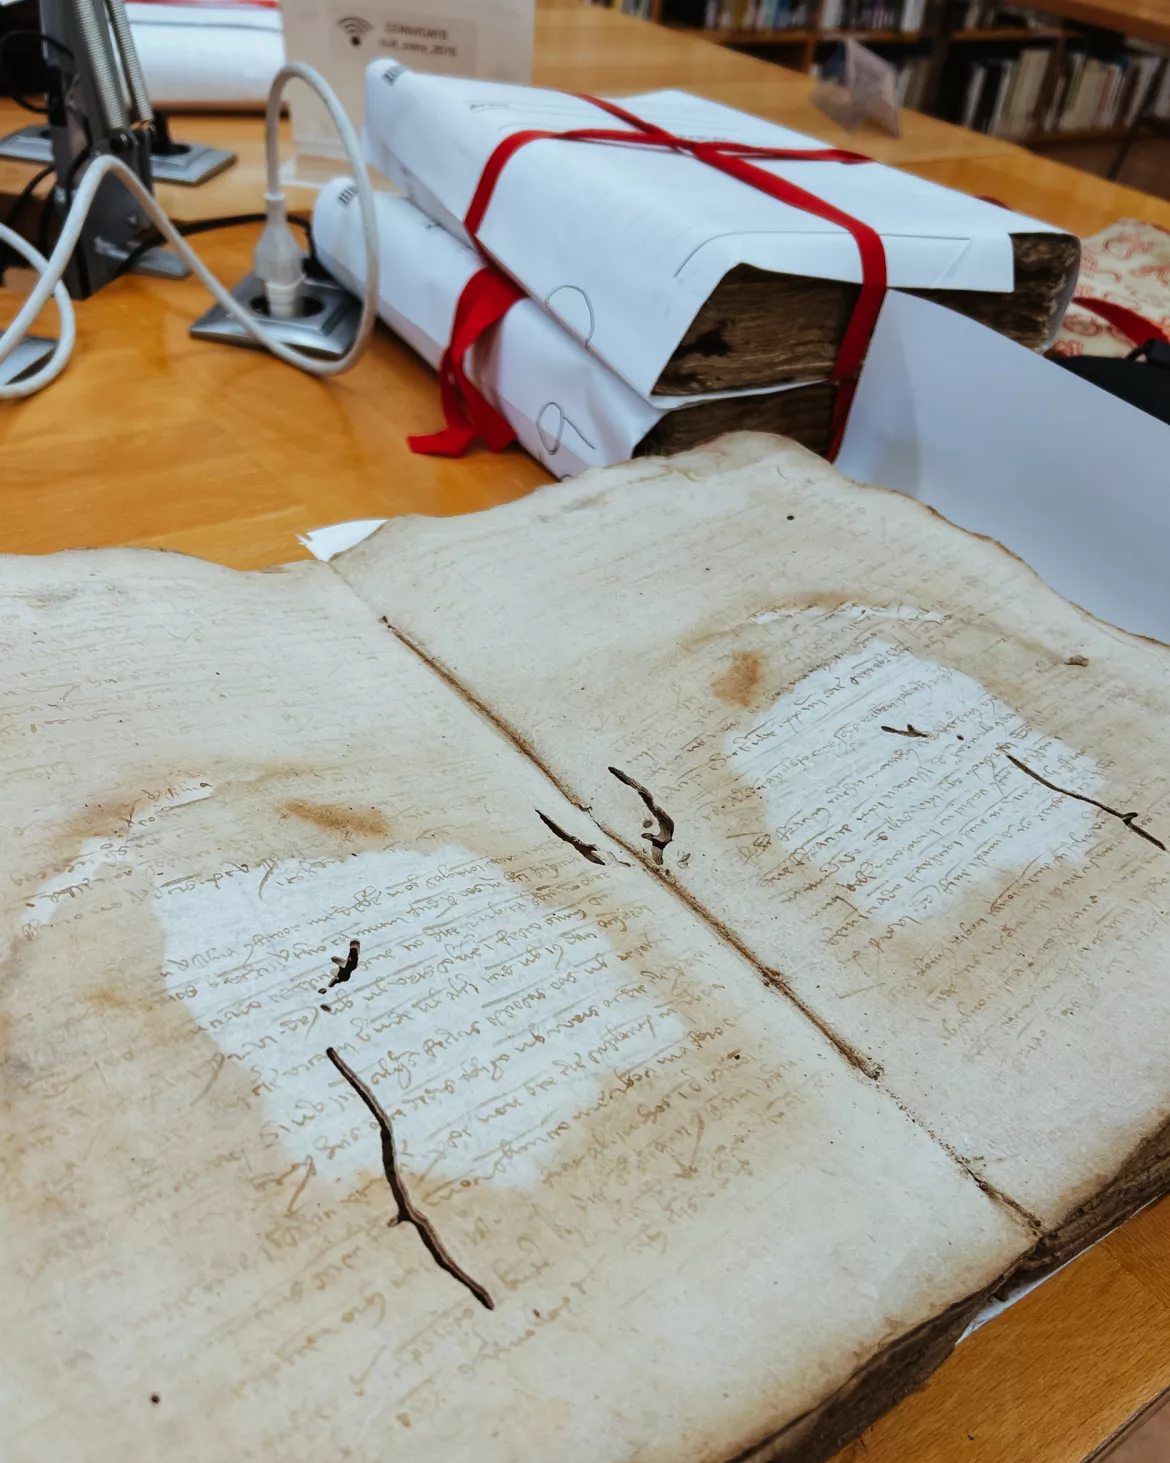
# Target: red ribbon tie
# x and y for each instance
(489, 294)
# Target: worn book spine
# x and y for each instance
(568, 409)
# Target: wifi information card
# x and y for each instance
(482, 38)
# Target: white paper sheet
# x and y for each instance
(207, 55)
(1009, 444)
(624, 244)
(998, 1304)
(567, 408)
(326, 543)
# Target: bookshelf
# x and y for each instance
(1081, 134)
(721, 37)
(1072, 71)
(873, 37)
(1007, 33)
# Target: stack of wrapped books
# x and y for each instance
(686, 301)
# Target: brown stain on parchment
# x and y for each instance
(962, 963)
(197, 1110)
(139, 1169)
(96, 820)
(295, 822)
(111, 997)
(136, 1160)
(338, 818)
(792, 601)
(739, 682)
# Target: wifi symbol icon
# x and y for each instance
(355, 28)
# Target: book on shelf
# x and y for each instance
(872, 15)
(1160, 106)
(976, 76)
(745, 15)
(913, 80)
(1002, 93)
(1006, 72)
(989, 87)
(913, 15)
(1093, 98)
(620, 975)
(973, 15)
(1090, 92)
(1031, 70)
(1067, 83)
(986, 14)
(1103, 92)
(1144, 72)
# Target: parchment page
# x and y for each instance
(875, 748)
(352, 1111)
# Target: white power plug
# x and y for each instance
(279, 262)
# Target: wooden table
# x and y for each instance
(154, 439)
(1047, 190)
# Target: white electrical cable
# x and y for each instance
(61, 351)
(53, 269)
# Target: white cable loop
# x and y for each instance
(52, 270)
(60, 357)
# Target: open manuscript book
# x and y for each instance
(761, 917)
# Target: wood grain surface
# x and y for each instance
(154, 439)
(1047, 190)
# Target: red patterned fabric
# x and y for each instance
(1123, 290)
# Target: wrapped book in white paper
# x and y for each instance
(566, 407)
(684, 279)
(208, 55)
